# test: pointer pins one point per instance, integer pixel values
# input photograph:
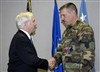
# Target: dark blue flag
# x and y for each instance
(29, 6)
(56, 34)
(84, 17)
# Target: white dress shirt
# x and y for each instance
(26, 33)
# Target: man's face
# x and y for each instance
(32, 25)
(65, 16)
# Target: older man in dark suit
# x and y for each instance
(22, 54)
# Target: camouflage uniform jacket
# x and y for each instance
(77, 48)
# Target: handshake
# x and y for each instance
(51, 63)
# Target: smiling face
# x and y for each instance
(32, 25)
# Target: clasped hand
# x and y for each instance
(51, 62)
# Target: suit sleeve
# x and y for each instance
(27, 54)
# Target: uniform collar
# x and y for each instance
(76, 23)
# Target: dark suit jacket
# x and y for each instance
(23, 56)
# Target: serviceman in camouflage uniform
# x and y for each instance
(77, 48)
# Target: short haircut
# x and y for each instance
(22, 17)
(69, 5)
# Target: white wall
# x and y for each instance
(43, 11)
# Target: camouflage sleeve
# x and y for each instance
(62, 45)
(87, 44)
(58, 55)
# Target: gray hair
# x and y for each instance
(22, 18)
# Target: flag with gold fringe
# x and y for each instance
(29, 6)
